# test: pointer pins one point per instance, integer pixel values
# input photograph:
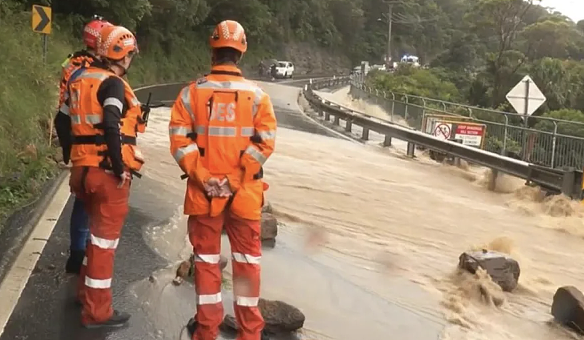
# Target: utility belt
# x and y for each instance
(131, 155)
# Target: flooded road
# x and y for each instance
(393, 230)
(368, 249)
(341, 295)
(418, 216)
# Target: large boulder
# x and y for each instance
(279, 316)
(568, 308)
(503, 269)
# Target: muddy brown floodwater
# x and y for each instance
(366, 231)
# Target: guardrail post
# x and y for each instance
(568, 181)
(457, 159)
(337, 120)
(493, 180)
(411, 149)
(387, 140)
(327, 116)
(365, 134)
(348, 125)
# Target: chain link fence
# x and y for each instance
(547, 142)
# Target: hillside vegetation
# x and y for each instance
(172, 35)
(482, 48)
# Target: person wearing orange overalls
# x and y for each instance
(73, 65)
(222, 130)
(104, 156)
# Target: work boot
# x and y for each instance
(192, 327)
(118, 319)
(75, 261)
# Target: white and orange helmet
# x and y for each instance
(229, 33)
(116, 42)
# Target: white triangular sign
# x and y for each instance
(516, 96)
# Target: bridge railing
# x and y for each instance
(566, 180)
(550, 144)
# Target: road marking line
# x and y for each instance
(17, 277)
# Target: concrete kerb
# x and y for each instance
(20, 224)
(23, 239)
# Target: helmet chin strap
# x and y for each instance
(125, 70)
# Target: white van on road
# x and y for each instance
(284, 69)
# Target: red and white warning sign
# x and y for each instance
(443, 130)
(470, 134)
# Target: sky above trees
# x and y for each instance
(574, 9)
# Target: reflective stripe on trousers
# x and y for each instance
(205, 236)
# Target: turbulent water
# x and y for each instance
(366, 230)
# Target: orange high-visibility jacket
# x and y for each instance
(86, 113)
(221, 126)
(70, 65)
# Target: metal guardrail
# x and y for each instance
(167, 93)
(566, 180)
(550, 143)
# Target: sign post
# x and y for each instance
(525, 98)
(41, 23)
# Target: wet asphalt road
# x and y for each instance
(46, 310)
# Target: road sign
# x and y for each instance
(442, 130)
(470, 134)
(41, 19)
(526, 97)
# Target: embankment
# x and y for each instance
(28, 97)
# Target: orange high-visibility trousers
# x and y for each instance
(244, 237)
(107, 206)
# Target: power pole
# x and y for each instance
(390, 22)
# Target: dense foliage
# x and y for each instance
(484, 47)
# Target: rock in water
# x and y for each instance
(267, 208)
(269, 226)
(279, 316)
(186, 268)
(503, 269)
(568, 308)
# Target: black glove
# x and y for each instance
(145, 112)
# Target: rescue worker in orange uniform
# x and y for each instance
(104, 156)
(79, 223)
(222, 130)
